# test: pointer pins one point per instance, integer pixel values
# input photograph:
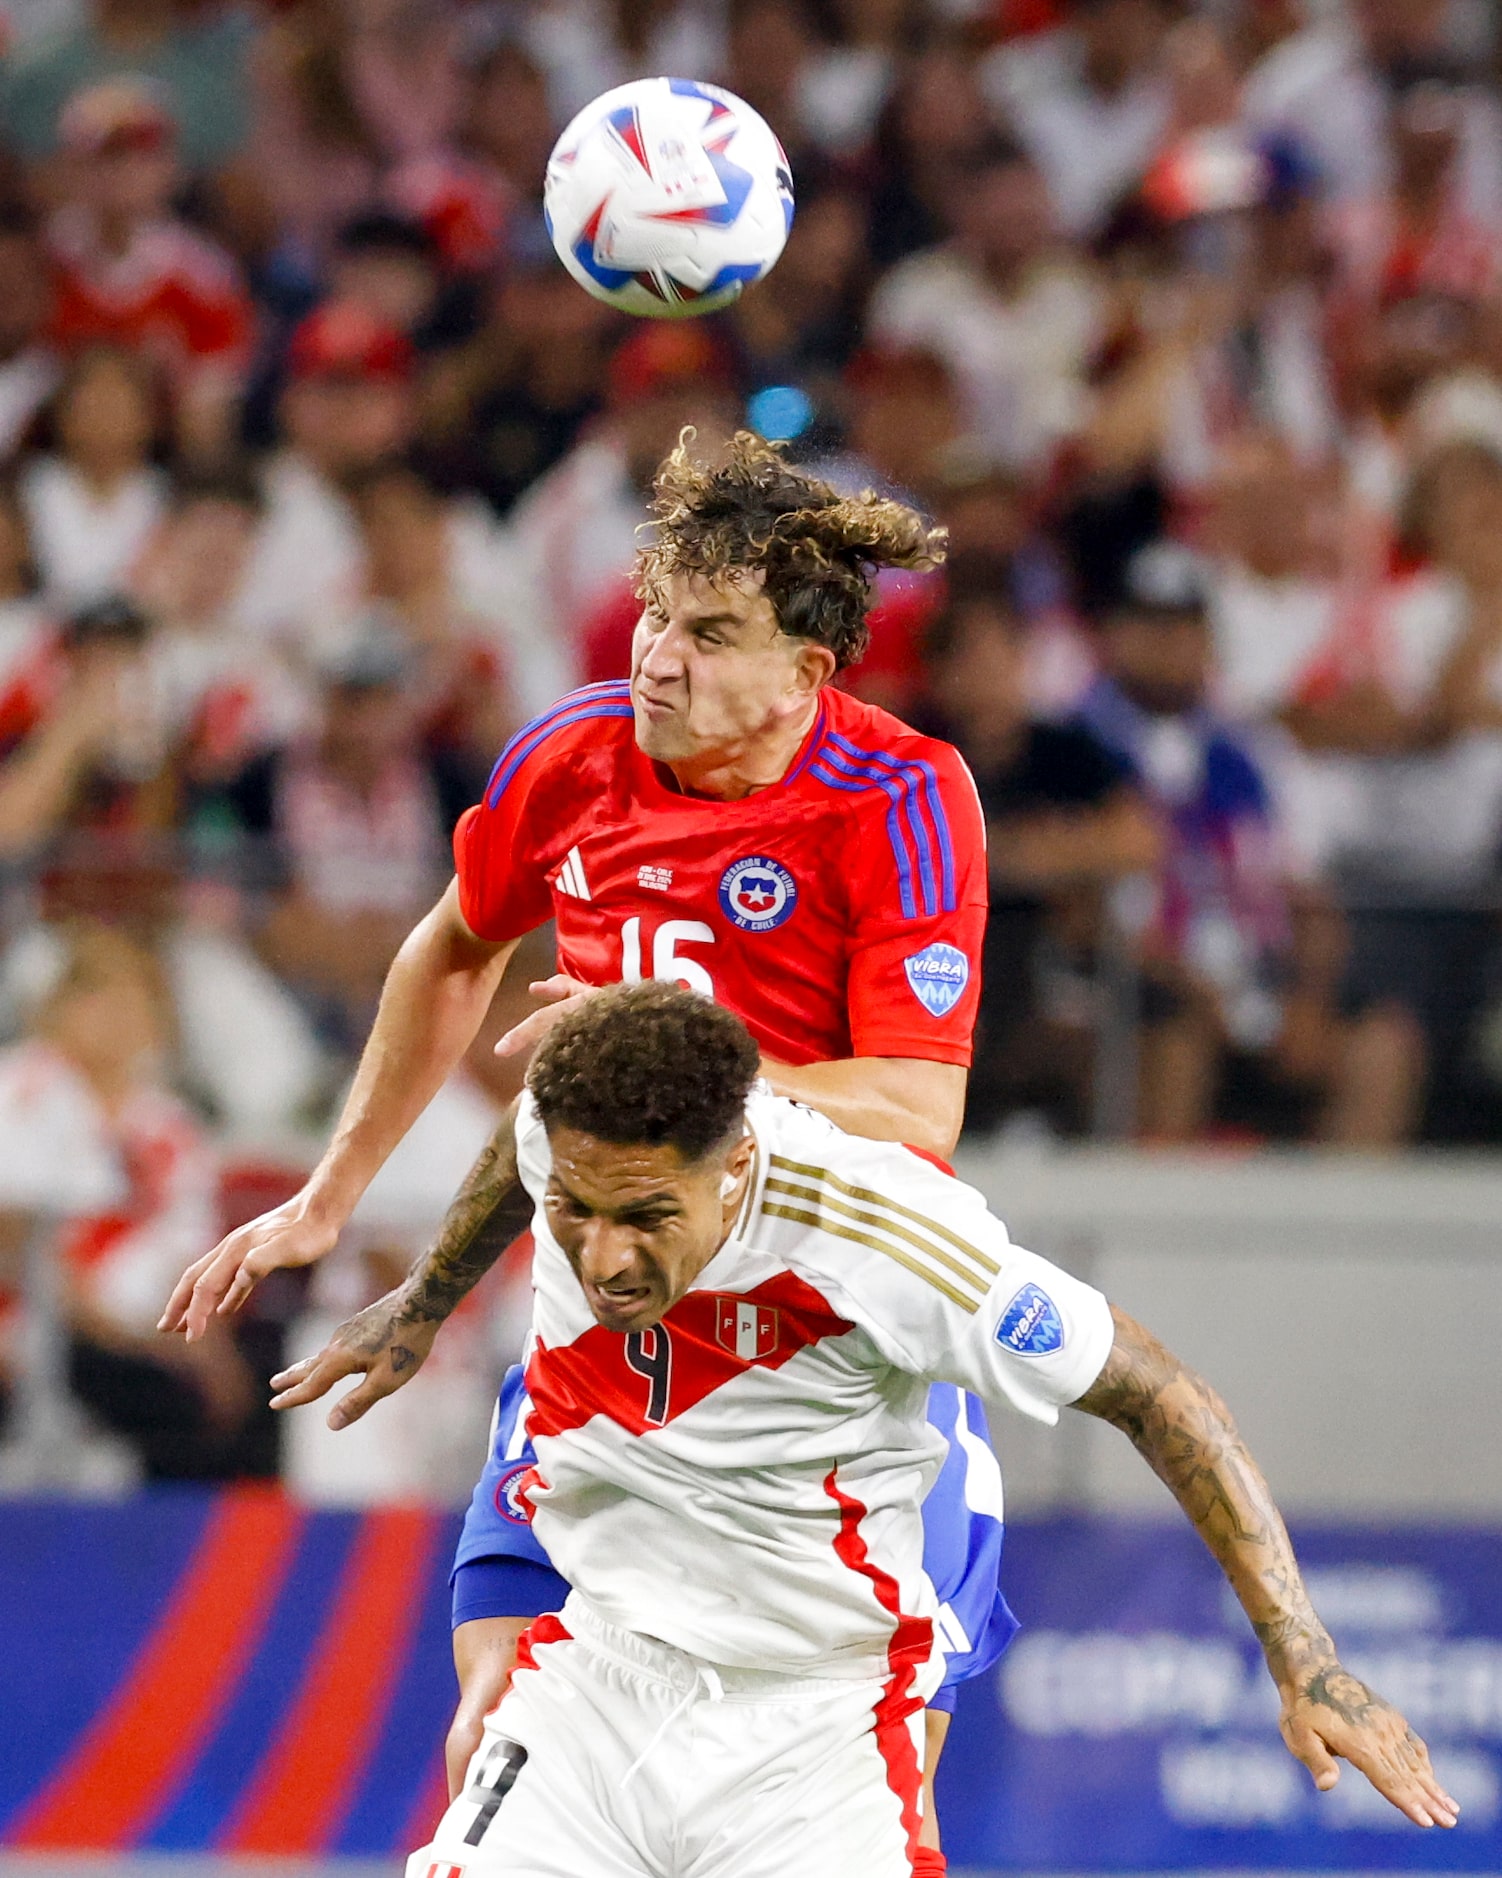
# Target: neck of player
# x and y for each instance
(731, 771)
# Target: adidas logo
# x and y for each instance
(571, 877)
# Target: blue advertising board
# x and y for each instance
(1133, 1727)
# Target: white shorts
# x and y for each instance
(612, 1756)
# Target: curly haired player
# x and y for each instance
(727, 819)
(737, 1312)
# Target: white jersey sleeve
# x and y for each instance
(927, 1270)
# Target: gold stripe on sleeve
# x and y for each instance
(796, 1191)
(983, 1259)
(968, 1305)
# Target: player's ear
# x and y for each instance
(735, 1167)
(813, 666)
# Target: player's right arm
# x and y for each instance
(435, 998)
(433, 1003)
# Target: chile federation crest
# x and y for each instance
(757, 893)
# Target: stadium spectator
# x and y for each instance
(387, 265)
(88, 1081)
(348, 404)
(845, 83)
(768, 48)
(1418, 234)
(354, 817)
(507, 135)
(130, 273)
(586, 46)
(92, 503)
(121, 734)
(803, 330)
(315, 159)
(1397, 705)
(933, 125)
(57, 717)
(574, 533)
(225, 697)
(1012, 312)
(1328, 77)
(1221, 974)
(1064, 823)
(432, 572)
(1089, 101)
(519, 395)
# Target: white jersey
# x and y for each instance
(745, 1481)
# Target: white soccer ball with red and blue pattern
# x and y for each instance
(668, 197)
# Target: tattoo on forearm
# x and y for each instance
(1185, 1433)
(487, 1213)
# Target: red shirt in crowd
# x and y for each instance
(170, 294)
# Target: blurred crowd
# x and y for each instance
(319, 476)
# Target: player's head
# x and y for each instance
(754, 588)
(642, 1090)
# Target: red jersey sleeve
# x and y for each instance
(502, 849)
(918, 912)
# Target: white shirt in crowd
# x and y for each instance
(305, 581)
(86, 545)
(306, 555)
(1019, 362)
(745, 1482)
(1429, 820)
(243, 1040)
(1319, 86)
(126, 1256)
(574, 43)
(1091, 148)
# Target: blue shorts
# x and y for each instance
(501, 1571)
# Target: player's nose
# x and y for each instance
(607, 1252)
(662, 658)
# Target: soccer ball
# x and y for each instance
(667, 197)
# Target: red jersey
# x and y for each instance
(838, 913)
(172, 294)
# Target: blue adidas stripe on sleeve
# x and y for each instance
(609, 700)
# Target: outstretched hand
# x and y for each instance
(387, 1343)
(559, 994)
(1329, 1716)
(221, 1281)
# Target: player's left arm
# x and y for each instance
(1186, 1434)
(909, 1099)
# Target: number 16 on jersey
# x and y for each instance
(667, 963)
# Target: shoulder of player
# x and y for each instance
(874, 1214)
(864, 743)
(598, 717)
(913, 797)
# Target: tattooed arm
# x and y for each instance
(388, 1341)
(1184, 1431)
